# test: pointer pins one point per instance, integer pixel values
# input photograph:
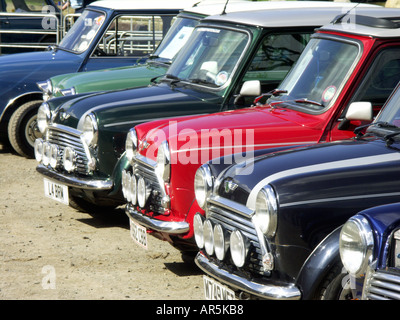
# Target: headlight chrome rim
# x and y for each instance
(90, 130)
(131, 145)
(203, 184)
(54, 156)
(265, 216)
(43, 117)
(163, 166)
(356, 244)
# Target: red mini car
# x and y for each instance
(343, 77)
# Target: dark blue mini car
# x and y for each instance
(107, 34)
(370, 252)
(272, 223)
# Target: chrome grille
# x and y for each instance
(141, 169)
(230, 221)
(65, 139)
(383, 285)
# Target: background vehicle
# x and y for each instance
(369, 251)
(105, 35)
(94, 180)
(318, 101)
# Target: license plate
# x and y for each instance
(214, 290)
(138, 234)
(56, 191)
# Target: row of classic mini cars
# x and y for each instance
(266, 216)
(108, 34)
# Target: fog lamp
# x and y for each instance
(38, 149)
(54, 151)
(220, 242)
(46, 153)
(198, 230)
(69, 159)
(133, 189)
(208, 232)
(238, 248)
(142, 192)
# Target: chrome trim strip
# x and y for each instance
(231, 205)
(66, 129)
(263, 290)
(172, 227)
(81, 183)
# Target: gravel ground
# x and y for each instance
(50, 251)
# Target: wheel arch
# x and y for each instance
(13, 105)
(318, 265)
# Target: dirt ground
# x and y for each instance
(49, 251)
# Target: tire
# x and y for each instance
(339, 288)
(23, 130)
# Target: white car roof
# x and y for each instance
(236, 6)
(140, 4)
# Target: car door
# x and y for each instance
(128, 39)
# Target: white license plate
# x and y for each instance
(138, 234)
(56, 191)
(214, 290)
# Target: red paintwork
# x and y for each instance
(273, 127)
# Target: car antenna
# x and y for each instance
(339, 18)
(224, 11)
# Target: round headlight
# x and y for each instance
(131, 144)
(220, 242)
(198, 229)
(142, 192)
(43, 117)
(69, 159)
(163, 166)
(239, 248)
(265, 216)
(90, 130)
(208, 232)
(203, 183)
(356, 245)
(54, 151)
(38, 149)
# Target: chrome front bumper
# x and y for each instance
(263, 290)
(171, 227)
(81, 183)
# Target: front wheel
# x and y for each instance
(339, 288)
(23, 129)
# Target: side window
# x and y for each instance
(381, 79)
(25, 5)
(275, 56)
(133, 36)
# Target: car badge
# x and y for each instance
(64, 115)
(143, 145)
(230, 186)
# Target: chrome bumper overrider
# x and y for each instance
(155, 224)
(266, 291)
(81, 183)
